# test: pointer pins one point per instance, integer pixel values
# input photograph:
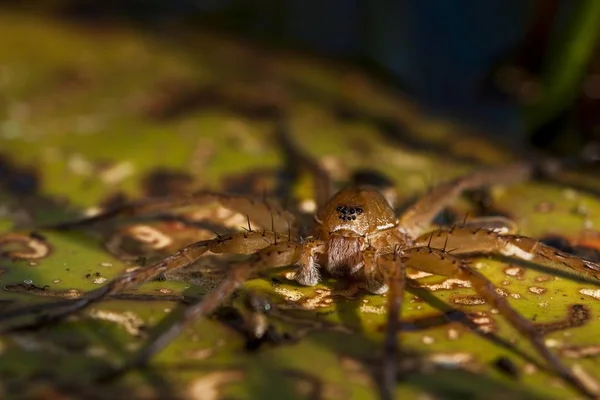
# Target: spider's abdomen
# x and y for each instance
(361, 211)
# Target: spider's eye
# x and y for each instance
(339, 208)
(359, 210)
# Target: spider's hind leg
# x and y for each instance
(386, 273)
(440, 262)
(392, 267)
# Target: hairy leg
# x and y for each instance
(307, 273)
(440, 262)
(461, 240)
(374, 276)
(280, 254)
(241, 243)
(417, 218)
(500, 225)
(386, 273)
(262, 211)
(393, 270)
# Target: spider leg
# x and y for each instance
(240, 242)
(264, 212)
(323, 185)
(374, 274)
(498, 224)
(417, 218)
(307, 273)
(386, 273)
(392, 268)
(279, 254)
(440, 262)
(481, 241)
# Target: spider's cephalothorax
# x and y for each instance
(358, 211)
(353, 219)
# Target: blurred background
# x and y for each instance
(526, 71)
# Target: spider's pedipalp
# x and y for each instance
(482, 241)
(375, 279)
(280, 254)
(438, 262)
(307, 273)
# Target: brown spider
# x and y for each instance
(356, 234)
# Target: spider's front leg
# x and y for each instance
(240, 242)
(417, 218)
(465, 240)
(440, 262)
(276, 255)
(386, 273)
(262, 211)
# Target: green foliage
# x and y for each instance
(92, 112)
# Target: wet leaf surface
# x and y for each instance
(99, 116)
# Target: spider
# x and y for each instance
(355, 234)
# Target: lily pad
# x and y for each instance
(95, 116)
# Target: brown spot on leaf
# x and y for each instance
(24, 247)
(451, 360)
(484, 322)
(595, 293)
(514, 271)
(41, 291)
(472, 300)
(200, 354)
(537, 290)
(131, 322)
(448, 284)
(578, 315)
(209, 386)
(580, 352)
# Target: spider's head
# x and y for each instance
(356, 211)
